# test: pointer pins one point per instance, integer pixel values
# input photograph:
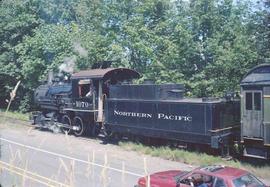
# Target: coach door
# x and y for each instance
(252, 114)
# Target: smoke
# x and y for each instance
(68, 65)
(78, 48)
(69, 62)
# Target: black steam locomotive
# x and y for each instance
(77, 104)
(106, 99)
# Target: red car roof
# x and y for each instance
(231, 172)
(224, 172)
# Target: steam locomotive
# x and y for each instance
(106, 99)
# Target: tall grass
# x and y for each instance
(194, 158)
(13, 114)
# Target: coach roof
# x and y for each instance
(259, 75)
(105, 74)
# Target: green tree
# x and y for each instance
(206, 44)
(17, 21)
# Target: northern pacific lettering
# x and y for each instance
(160, 116)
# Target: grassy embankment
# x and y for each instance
(12, 114)
(195, 158)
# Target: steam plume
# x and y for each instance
(68, 65)
(69, 62)
(78, 48)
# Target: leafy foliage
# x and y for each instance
(208, 44)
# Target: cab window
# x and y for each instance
(83, 90)
(85, 87)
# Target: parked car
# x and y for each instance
(210, 176)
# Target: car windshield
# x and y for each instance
(181, 175)
(247, 180)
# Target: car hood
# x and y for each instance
(162, 178)
(166, 174)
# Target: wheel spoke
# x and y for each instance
(67, 121)
(78, 123)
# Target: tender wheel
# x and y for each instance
(110, 135)
(80, 128)
(95, 130)
(67, 121)
(108, 132)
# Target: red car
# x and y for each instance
(210, 176)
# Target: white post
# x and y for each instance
(100, 102)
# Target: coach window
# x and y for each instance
(249, 100)
(257, 101)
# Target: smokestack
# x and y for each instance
(50, 77)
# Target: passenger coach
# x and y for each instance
(255, 112)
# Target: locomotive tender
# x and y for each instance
(106, 98)
(161, 111)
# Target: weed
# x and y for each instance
(194, 158)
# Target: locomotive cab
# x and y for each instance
(89, 88)
(255, 112)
